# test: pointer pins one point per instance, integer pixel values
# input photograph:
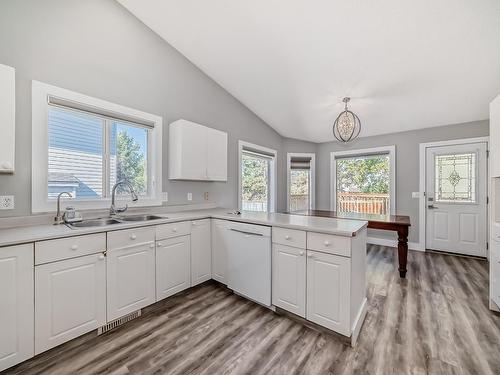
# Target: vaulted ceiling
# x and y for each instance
(406, 64)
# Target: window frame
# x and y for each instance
(385, 150)
(266, 152)
(312, 182)
(41, 92)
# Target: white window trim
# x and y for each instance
(39, 189)
(273, 181)
(391, 150)
(312, 187)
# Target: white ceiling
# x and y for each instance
(406, 64)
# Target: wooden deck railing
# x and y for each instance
(363, 203)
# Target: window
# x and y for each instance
(456, 177)
(84, 146)
(257, 176)
(301, 168)
(363, 181)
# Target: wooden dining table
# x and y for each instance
(396, 223)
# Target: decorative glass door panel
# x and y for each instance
(455, 178)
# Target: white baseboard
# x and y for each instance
(393, 243)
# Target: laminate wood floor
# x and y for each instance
(434, 322)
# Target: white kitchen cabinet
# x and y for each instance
(172, 266)
(328, 291)
(201, 251)
(7, 118)
(16, 304)
(289, 279)
(130, 269)
(70, 299)
(197, 152)
(495, 137)
(495, 272)
(219, 250)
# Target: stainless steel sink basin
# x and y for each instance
(94, 223)
(140, 218)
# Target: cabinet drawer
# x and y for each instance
(495, 232)
(173, 230)
(289, 237)
(71, 247)
(130, 237)
(330, 244)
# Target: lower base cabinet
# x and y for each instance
(328, 290)
(219, 250)
(16, 304)
(201, 252)
(70, 299)
(130, 271)
(289, 279)
(173, 271)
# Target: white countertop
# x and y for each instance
(340, 227)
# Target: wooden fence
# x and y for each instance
(363, 203)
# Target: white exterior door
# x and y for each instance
(328, 290)
(219, 251)
(130, 279)
(16, 305)
(456, 193)
(289, 279)
(201, 252)
(172, 266)
(70, 299)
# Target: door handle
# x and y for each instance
(247, 233)
(432, 207)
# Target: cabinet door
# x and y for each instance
(172, 266)
(219, 251)
(495, 272)
(70, 299)
(201, 252)
(187, 150)
(16, 304)
(289, 279)
(7, 118)
(216, 155)
(328, 287)
(130, 279)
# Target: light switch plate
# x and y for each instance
(6, 202)
(190, 196)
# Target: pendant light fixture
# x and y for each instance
(347, 125)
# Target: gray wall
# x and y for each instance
(97, 48)
(407, 163)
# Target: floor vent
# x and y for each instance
(118, 322)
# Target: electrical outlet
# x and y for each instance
(190, 196)
(415, 195)
(7, 202)
(165, 196)
(205, 195)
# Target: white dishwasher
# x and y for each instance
(249, 261)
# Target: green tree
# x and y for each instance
(131, 163)
(299, 182)
(363, 175)
(255, 178)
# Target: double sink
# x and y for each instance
(102, 222)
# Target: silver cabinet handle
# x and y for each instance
(249, 233)
(432, 207)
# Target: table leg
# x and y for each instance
(402, 250)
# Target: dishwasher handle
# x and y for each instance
(248, 233)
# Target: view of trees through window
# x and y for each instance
(363, 184)
(255, 173)
(77, 154)
(131, 156)
(299, 189)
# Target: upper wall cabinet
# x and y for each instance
(495, 137)
(197, 152)
(7, 118)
